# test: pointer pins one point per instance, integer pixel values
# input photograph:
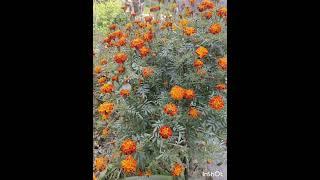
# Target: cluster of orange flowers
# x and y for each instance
(117, 38)
(178, 93)
(107, 88)
(142, 44)
(106, 109)
(205, 5)
(139, 44)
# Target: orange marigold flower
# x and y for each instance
(167, 24)
(198, 63)
(105, 132)
(149, 27)
(97, 69)
(112, 26)
(147, 72)
(128, 26)
(128, 147)
(183, 22)
(124, 92)
(221, 87)
(188, 11)
(177, 169)
(148, 36)
(201, 7)
(207, 14)
(129, 164)
(222, 62)
(120, 57)
(142, 24)
(121, 69)
(105, 109)
(189, 94)
(108, 39)
(222, 12)
(137, 43)
(216, 103)
(115, 78)
(121, 42)
(103, 61)
(189, 31)
(117, 33)
(148, 173)
(215, 28)
(208, 4)
(140, 173)
(101, 163)
(170, 109)
(154, 8)
(144, 51)
(193, 112)
(102, 80)
(165, 132)
(202, 51)
(107, 88)
(148, 19)
(177, 92)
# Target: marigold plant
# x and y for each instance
(128, 147)
(129, 164)
(177, 92)
(160, 95)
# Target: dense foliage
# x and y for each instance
(160, 91)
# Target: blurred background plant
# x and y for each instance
(105, 13)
